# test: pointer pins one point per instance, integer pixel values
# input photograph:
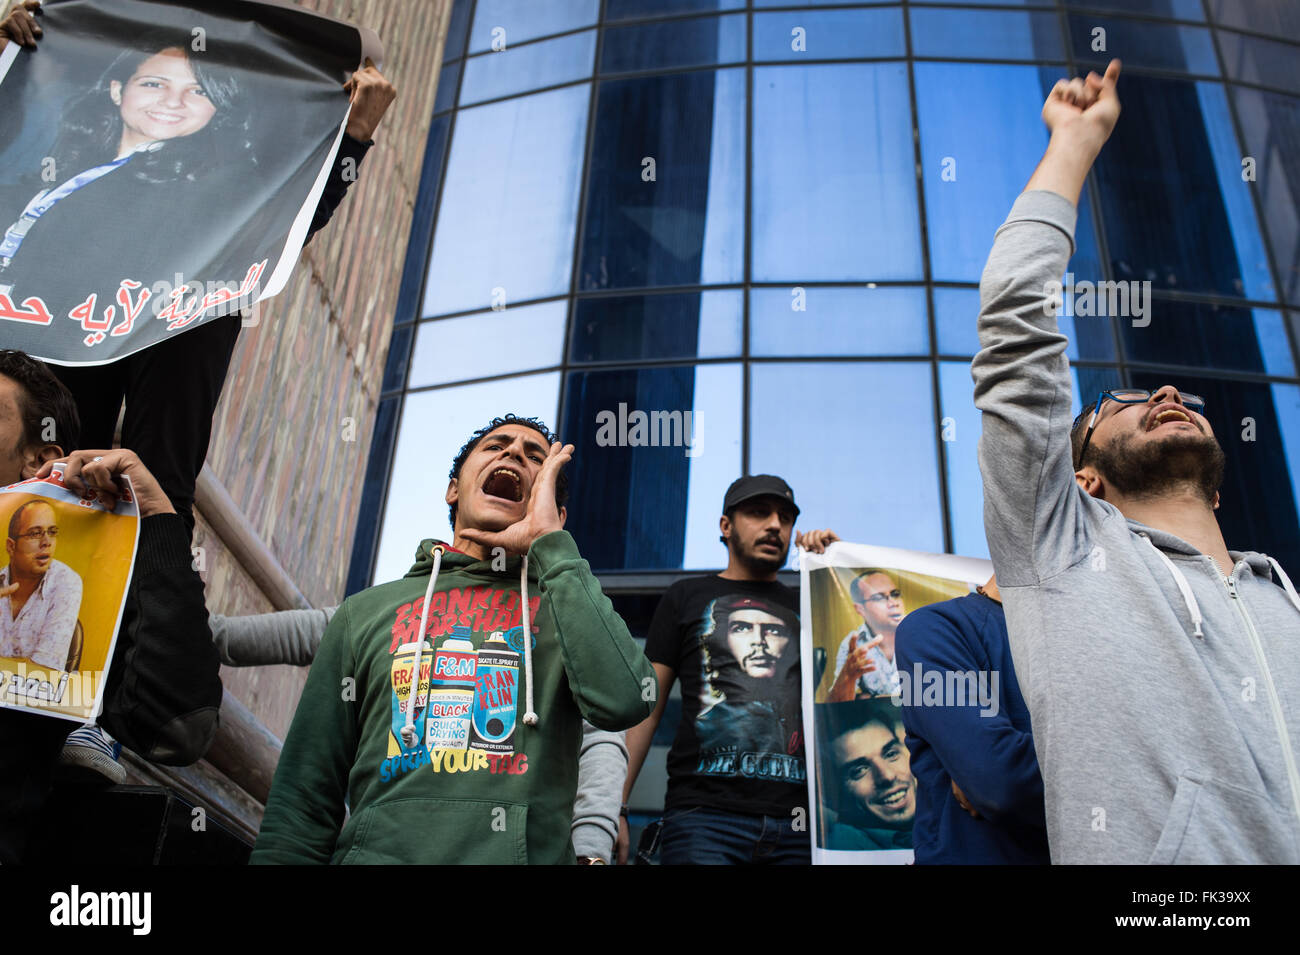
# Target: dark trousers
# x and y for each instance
(701, 836)
(171, 391)
(29, 748)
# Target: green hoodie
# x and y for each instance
(493, 790)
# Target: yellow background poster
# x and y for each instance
(95, 549)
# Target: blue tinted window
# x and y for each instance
(803, 3)
(1177, 9)
(399, 355)
(665, 196)
(372, 494)
(834, 200)
(986, 34)
(516, 70)
(434, 426)
(1274, 343)
(973, 176)
(417, 250)
(1162, 46)
(838, 321)
(700, 41)
(956, 313)
(1279, 18)
(1270, 125)
(1226, 154)
(509, 206)
(448, 77)
(685, 325)
(1166, 220)
(829, 34)
(1286, 401)
(451, 349)
(1209, 336)
(960, 429)
(856, 441)
(956, 316)
(628, 9)
(514, 21)
(1263, 62)
(633, 459)
(457, 30)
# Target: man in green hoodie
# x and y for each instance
(461, 746)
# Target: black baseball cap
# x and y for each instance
(757, 485)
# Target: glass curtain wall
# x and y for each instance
(710, 237)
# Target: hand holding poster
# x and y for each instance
(862, 793)
(67, 567)
(160, 165)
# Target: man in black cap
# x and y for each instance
(737, 785)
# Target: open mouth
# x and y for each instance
(1168, 415)
(894, 799)
(167, 118)
(505, 484)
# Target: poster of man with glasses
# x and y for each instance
(40, 596)
(67, 564)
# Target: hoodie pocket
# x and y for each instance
(420, 831)
(1213, 823)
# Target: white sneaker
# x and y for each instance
(90, 748)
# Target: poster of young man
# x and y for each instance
(159, 165)
(66, 568)
(862, 794)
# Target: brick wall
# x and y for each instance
(280, 443)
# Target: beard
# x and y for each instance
(760, 563)
(1178, 462)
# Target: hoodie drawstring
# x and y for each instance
(408, 731)
(530, 717)
(1286, 581)
(1184, 588)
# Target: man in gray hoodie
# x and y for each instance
(1162, 671)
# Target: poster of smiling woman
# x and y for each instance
(862, 794)
(159, 165)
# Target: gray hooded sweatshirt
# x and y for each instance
(1165, 697)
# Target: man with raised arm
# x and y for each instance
(1160, 668)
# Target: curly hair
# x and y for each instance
(91, 128)
(561, 480)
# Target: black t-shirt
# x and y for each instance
(734, 644)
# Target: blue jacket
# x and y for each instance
(991, 757)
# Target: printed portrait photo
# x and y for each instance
(154, 162)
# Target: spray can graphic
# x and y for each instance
(496, 697)
(408, 692)
(451, 693)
